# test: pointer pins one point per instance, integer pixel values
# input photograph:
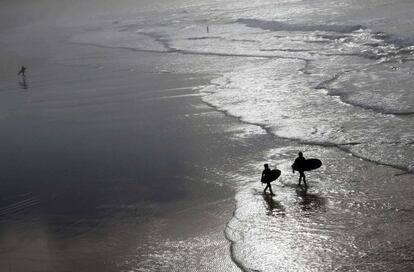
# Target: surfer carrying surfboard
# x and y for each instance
(299, 165)
(267, 177)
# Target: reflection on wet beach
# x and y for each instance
(273, 207)
(309, 202)
(23, 83)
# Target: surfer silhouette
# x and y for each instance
(267, 178)
(299, 165)
(22, 71)
(23, 82)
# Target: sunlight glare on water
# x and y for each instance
(298, 71)
(330, 78)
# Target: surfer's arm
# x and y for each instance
(263, 176)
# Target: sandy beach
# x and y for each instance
(110, 165)
(136, 140)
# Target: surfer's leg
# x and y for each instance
(267, 185)
(304, 179)
(270, 188)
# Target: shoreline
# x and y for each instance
(83, 112)
(294, 141)
(119, 176)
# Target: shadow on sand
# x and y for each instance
(273, 207)
(23, 83)
(309, 202)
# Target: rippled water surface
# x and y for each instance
(331, 78)
(335, 83)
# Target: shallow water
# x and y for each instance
(319, 75)
(355, 80)
(331, 78)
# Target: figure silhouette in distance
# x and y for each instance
(266, 178)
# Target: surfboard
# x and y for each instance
(309, 165)
(275, 173)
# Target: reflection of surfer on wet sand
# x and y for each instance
(309, 202)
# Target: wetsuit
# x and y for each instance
(299, 162)
(266, 179)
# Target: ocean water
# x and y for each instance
(305, 71)
(331, 78)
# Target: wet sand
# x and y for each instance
(109, 165)
(111, 162)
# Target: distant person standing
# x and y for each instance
(23, 82)
(207, 29)
(299, 165)
(22, 71)
(266, 178)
